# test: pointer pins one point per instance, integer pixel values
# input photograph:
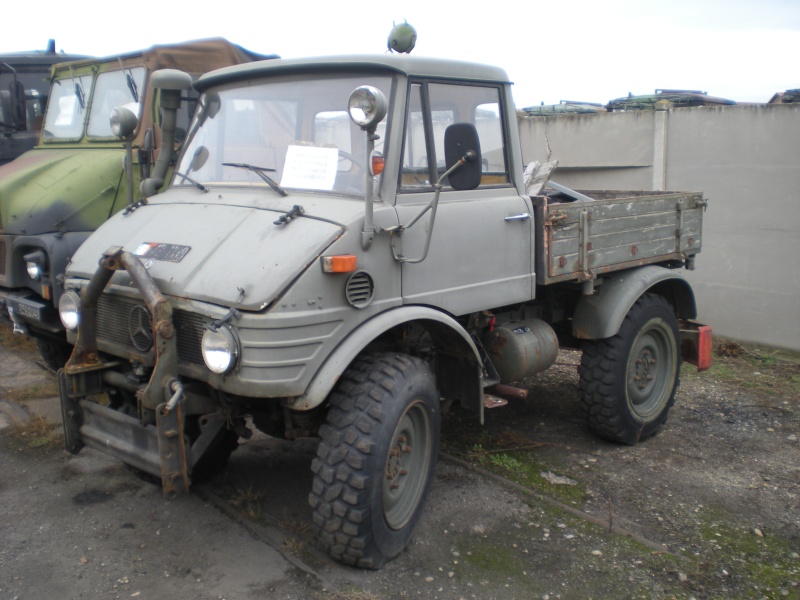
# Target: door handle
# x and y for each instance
(520, 217)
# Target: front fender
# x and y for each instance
(600, 315)
(445, 330)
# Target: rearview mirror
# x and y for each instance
(461, 142)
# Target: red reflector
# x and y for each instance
(696, 345)
(343, 263)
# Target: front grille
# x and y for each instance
(113, 318)
(2, 258)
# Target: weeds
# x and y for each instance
(37, 433)
(37, 391)
(248, 501)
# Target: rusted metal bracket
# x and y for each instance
(172, 449)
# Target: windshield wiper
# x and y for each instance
(260, 172)
(129, 80)
(196, 184)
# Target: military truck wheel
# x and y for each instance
(54, 353)
(376, 459)
(628, 382)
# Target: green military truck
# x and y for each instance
(348, 246)
(55, 195)
(24, 85)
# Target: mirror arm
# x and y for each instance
(469, 156)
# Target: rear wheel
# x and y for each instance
(376, 459)
(628, 382)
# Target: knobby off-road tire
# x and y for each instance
(628, 382)
(376, 458)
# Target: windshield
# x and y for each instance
(294, 130)
(78, 102)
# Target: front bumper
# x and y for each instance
(160, 448)
(29, 313)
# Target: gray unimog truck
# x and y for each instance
(347, 247)
(53, 196)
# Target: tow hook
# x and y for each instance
(177, 395)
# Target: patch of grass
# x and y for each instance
(36, 391)
(768, 372)
(248, 501)
(16, 341)
(524, 467)
(38, 433)
(765, 566)
(291, 523)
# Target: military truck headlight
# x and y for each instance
(123, 121)
(220, 349)
(367, 107)
(69, 306)
(35, 264)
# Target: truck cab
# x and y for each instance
(24, 86)
(53, 196)
(347, 247)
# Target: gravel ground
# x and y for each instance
(706, 509)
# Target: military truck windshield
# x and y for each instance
(76, 102)
(295, 129)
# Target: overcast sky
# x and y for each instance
(591, 51)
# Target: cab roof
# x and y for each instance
(435, 68)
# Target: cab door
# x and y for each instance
(480, 253)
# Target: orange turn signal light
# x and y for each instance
(342, 263)
(377, 163)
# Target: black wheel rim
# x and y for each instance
(407, 465)
(651, 369)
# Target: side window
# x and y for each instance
(424, 159)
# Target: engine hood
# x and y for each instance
(233, 256)
(62, 189)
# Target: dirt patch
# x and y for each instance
(706, 509)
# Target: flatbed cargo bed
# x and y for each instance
(579, 240)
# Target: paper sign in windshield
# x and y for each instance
(310, 167)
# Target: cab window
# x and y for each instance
(423, 152)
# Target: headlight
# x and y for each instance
(123, 122)
(35, 264)
(69, 310)
(367, 107)
(220, 349)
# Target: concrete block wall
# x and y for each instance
(746, 161)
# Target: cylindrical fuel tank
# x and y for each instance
(519, 349)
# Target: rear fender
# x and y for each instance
(600, 315)
(458, 360)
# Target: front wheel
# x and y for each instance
(628, 382)
(376, 459)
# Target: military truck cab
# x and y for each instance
(24, 86)
(53, 196)
(348, 246)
